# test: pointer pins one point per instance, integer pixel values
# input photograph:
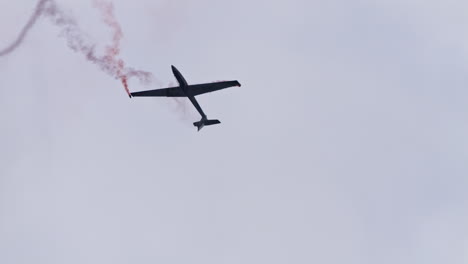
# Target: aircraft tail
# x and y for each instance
(212, 122)
(206, 122)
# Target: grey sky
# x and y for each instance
(345, 144)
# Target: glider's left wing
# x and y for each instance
(165, 92)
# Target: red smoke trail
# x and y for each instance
(77, 41)
(112, 51)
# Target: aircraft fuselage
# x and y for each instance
(183, 86)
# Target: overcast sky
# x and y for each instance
(347, 142)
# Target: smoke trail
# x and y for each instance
(112, 51)
(76, 40)
(180, 105)
(32, 20)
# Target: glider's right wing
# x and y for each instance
(165, 92)
(197, 89)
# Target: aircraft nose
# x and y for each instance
(174, 70)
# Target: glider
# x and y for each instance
(189, 91)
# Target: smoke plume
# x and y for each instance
(32, 20)
(76, 40)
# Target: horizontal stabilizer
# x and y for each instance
(205, 122)
(212, 122)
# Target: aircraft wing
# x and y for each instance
(165, 92)
(197, 89)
